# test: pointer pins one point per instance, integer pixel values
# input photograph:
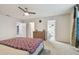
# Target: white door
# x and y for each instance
(51, 26)
(21, 29)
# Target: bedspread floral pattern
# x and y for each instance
(27, 44)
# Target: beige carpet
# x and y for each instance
(58, 48)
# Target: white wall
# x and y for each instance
(63, 23)
(7, 27)
(63, 28)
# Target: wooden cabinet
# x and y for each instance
(39, 34)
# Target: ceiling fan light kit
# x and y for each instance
(26, 14)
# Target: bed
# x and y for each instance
(21, 46)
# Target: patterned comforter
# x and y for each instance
(27, 44)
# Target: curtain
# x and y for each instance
(75, 32)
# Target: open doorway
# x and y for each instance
(31, 29)
(51, 26)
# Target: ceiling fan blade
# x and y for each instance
(22, 9)
(31, 12)
(26, 10)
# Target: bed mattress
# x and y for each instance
(26, 44)
(6, 50)
(29, 45)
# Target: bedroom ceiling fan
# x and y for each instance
(26, 12)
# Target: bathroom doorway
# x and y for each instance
(51, 26)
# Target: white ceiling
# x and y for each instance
(42, 10)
